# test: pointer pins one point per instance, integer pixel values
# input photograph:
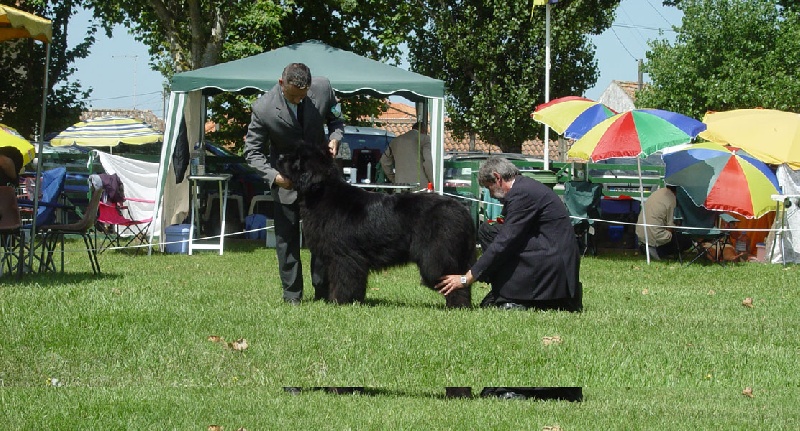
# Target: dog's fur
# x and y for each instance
(355, 231)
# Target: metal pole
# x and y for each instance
(547, 84)
(39, 158)
(644, 215)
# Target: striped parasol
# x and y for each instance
(108, 132)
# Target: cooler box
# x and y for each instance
(175, 233)
(615, 233)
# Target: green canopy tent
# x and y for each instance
(350, 74)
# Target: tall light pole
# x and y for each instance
(547, 5)
(547, 83)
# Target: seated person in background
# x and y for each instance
(10, 166)
(532, 258)
(659, 210)
(408, 158)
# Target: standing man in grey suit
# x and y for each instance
(292, 112)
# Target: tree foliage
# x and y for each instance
(727, 54)
(185, 35)
(22, 64)
(491, 55)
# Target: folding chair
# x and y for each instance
(582, 199)
(707, 238)
(11, 238)
(55, 233)
(51, 189)
(119, 226)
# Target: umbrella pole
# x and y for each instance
(39, 158)
(644, 215)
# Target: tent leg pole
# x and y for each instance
(644, 215)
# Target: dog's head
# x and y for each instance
(308, 167)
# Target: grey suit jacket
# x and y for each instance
(274, 130)
(408, 159)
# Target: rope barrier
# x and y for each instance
(465, 198)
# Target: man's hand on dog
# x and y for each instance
(283, 182)
(452, 282)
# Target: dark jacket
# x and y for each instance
(535, 255)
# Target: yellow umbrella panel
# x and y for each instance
(17, 24)
(10, 138)
(769, 135)
(108, 132)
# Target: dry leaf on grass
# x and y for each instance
(214, 338)
(645, 291)
(552, 428)
(748, 392)
(551, 340)
(238, 345)
(214, 428)
(748, 302)
(712, 292)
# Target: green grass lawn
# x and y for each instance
(657, 347)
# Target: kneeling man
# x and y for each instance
(532, 259)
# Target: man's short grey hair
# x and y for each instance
(297, 74)
(498, 164)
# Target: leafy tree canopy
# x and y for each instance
(491, 55)
(727, 54)
(190, 34)
(22, 64)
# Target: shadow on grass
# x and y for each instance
(60, 279)
(383, 302)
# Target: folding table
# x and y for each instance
(222, 185)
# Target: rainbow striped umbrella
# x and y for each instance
(640, 132)
(636, 133)
(572, 116)
(723, 180)
(108, 132)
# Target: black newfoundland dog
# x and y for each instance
(355, 231)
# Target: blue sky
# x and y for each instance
(118, 71)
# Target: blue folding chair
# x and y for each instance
(52, 188)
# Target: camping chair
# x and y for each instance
(50, 192)
(582, 199)
(119, 225)
(54, 234)
(11, 238)
(702, 223)
(51, 189)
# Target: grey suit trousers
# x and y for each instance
(287, 246)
